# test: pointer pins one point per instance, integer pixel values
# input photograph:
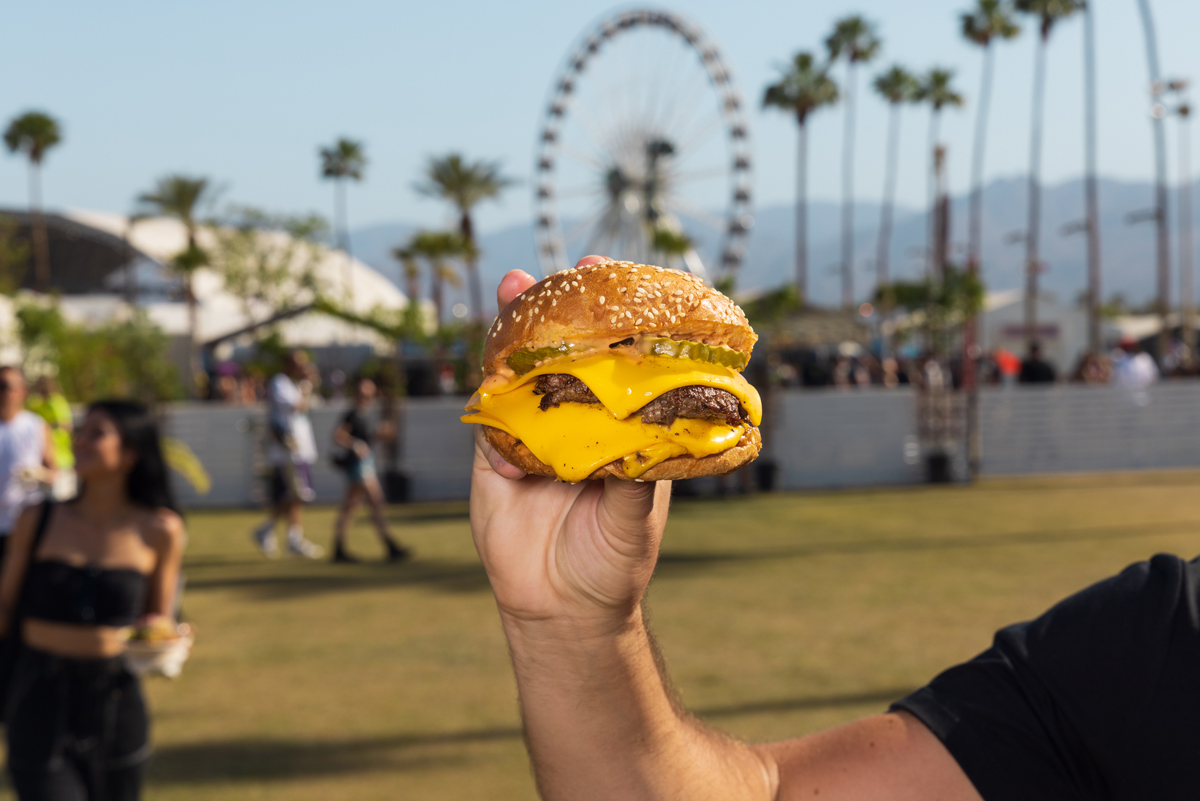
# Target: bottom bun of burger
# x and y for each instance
(678, 467)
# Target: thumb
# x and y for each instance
(630, 509)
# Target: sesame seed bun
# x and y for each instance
(611, 301)
(676, 468)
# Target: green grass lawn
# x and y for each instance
(778, 615)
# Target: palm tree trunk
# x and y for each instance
(1091, 193)
(802, 212)
(848, 192)
(1033, 232)
(41, 241)
(882, 275)
(193, 312)
(436, 293)
(1163, 246)
(343, 235)
(935, 119)
(975, 234)
(467, 229)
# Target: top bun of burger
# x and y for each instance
(611, 301)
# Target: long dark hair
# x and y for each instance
(148, 483)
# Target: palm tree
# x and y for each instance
(412, 274)
(896, 86)
(1047, 13)
(34, 133)
(345, 159)
(938, 93)
(465, 185)
(804, 87)
(438, 249)
(180, 197)
(989, 20)
(854, 39)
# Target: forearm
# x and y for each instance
(600, 722)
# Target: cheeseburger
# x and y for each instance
(619, 369)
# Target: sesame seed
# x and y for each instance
(518, 318)
(543, 318)
(613, 320)
(622, 289)
(678, 291)
(556, 292)
(499, 326)
(601, 298)
(638, 321)
(629, 315)
(514, 314)
(657, 294)
(612, 275)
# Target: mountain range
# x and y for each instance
(1128, 250)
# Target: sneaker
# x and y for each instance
(399, 553)
(264, 538)
(303, 548)
(343, 556)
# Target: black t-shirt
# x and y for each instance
(360, 426)
(1099, 698)
(1037, 371)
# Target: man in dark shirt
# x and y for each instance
(1035, 369)
(1099, 698)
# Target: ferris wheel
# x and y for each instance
(644, 152)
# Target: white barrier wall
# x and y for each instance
(1081, 428)
(820, 439)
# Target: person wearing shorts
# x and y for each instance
(354, 437)
(292, 451)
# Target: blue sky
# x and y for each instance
(245, 91)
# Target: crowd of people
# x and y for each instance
(1127, 364)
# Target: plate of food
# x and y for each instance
(158, 646)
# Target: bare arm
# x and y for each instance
(166, 536)
(569, 565)
(15, 562)
(49, 462)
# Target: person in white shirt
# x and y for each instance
(1136, 369)
(292, 451)
(26, 453)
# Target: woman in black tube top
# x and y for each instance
(78, 573)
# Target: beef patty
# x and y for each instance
(696, 402)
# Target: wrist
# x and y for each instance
(571, 633)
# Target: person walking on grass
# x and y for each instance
(354, 436)
(292, 451)
(26, 453)
(78, 576)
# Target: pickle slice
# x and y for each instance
(522, 361)
(685, 349)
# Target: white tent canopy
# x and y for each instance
(360, 289)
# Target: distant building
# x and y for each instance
(103, 265)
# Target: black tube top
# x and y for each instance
(89, 596)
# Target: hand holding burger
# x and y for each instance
(582, 553)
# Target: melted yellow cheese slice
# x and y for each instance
(625, 384)
(576, 439)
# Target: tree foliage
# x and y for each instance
(33, 133)
(936, 307)
(990, 19)
(14, 256)
(269, 262)
(346, 158)
(803, 87)
(462, 183)
(119, 359)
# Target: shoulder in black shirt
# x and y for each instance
(1099, 698)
